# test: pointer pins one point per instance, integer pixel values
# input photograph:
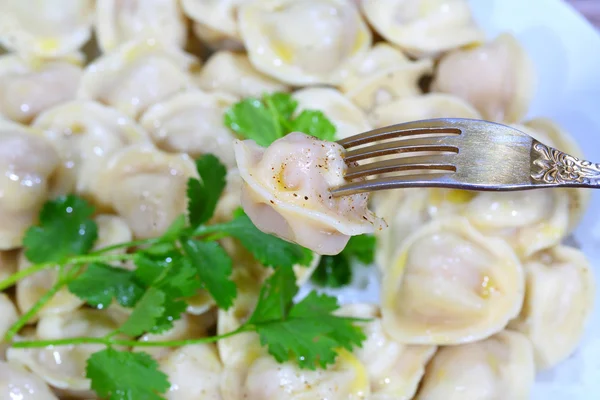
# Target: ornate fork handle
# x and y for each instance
(561, 169)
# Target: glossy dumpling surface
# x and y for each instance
(303, 42)
(449, 284)
(18, 383)
(500, 367)
(287, 193)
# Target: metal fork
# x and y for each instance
(462, 154)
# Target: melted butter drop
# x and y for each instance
(487, 287)
(48, 44)
(460, 196)
(361, 38)
(360, 384)
(282, 51)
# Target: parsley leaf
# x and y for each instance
(269, 250)
(272, 117)
(146, 313)
(214, 267)
(65, 229)
(100, 283)
(307, 332)
(333, 271)
(314, 123)
(124, 375)
(336, 271)
(204, 194)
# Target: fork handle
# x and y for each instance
(554, 168)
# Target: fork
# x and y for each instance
(461, 154)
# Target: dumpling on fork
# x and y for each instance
(286, 192)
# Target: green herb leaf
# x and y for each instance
(213, 265)
(204, 194)
(333, 271)
(361, 247)
(306, 332)
(146, 314)
(65, 229)
(123, 375)
(269, 250)
(314, 123)
(100, 283)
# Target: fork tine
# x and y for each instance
(429, 180)
(401, 146)
(416, 128)
(434, 162)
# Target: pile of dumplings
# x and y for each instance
(113, 100)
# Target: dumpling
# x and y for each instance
(500, 367)
(86, 134)
(111, 230)
(216, 21)
(8, 315)
(423, 27)
(382, 75)
(27, 163)
(194, 372)
(43, 28)
(497, 78)
(233, 73)
(120, 21)
(136, 75)
(558, 302)
(63, 367)
(29, 86)
(147, 187)
(187, 327)
(394, 369)
(16, 383)
(192, 122)
(286, 193)
(348, 119)
(8, 263)
(415, 108)
(449, 284)
(303, 42)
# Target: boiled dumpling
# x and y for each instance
(16, 383)
(497, 78)
(303, 42)
(449, 284)
(382, 75)
(8, 316)
(64, 367)
(194, 372)
(394, 369)
(423, 27)
(45, 28)
(136, 75)
(111, 230)
(233, 73)
(558, 302)
(348, 119)
(287, 193)
(29, 86)
(27, 162)
(415, 108)
(500, 367)
(192, 122)
(120, 21)
(265, 379)
(147, 187)
(86, 134)
(215, 21)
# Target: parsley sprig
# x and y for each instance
(174, 267)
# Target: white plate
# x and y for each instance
(565, 49)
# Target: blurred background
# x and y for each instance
(589, 8)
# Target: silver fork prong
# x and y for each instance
(442, 143)
(407, 129)
(432, 162)
(429, 180)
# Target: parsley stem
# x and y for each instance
(109, 341)
(133, 243)
(14, 278)
(34, 310)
